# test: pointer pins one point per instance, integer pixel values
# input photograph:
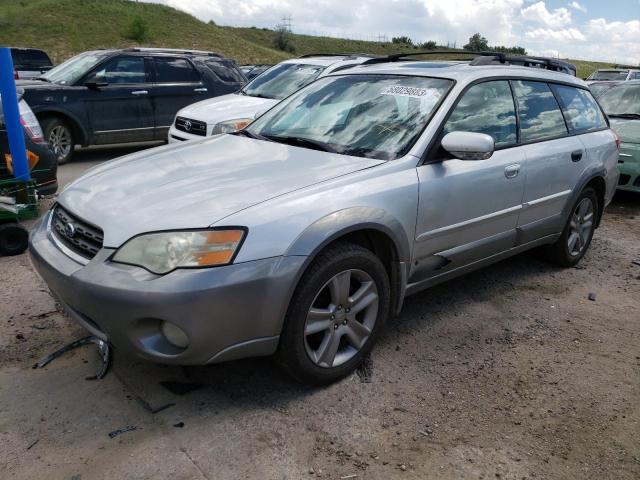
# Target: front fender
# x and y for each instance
(337, 224)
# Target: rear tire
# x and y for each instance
(59, 136)
(14, 239)
(335, 315)
(578, 232)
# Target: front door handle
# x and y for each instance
(139, 92)
(512, 171)
(200, 90)
(576, 156)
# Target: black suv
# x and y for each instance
(117, 96)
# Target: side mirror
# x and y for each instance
(469, 145)
(95, 84)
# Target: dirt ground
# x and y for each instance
(510, 372)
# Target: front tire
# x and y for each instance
(335, 315)
(60, 138)
(578, 232)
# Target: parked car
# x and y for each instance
(301, 233)
(41, 159)
(232, 112)
(252, 71)
(622, 104)
(598, 88)
(614, 74)
(29, 62)
(118, 96)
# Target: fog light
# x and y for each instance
(175, 335)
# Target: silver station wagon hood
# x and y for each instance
(197, 184)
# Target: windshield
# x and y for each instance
(375, 116)
(599, 88)
(609, 75)
(282, 80)
(621, 100)
(67, 73)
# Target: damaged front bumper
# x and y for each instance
(227, 312)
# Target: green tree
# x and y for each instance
(403, 40)
(429, 45)
(282, 40)
(138, 29)
(477, 43)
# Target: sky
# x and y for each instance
(607, 30)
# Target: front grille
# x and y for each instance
(624, 179)
(76, 234)
(193, 127)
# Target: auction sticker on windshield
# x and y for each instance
(413, 92)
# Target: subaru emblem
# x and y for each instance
(70, 230)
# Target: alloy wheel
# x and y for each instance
(341, 318)
(60, 141)
(580, 227)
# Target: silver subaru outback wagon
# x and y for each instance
(301, 234)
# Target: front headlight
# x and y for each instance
(231, 126)
(165, 251)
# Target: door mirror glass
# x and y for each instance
(469, 145)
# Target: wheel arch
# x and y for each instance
(370, 228)
(77, 129)
(595, 180)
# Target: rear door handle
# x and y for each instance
(200, 90)
(139, 92)
(576, 156)
(512, 171)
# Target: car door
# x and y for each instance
(177, 84)
(118, 101)
(468, 210)
(554, 159)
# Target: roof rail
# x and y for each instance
(173, 50)
(487, 58)
(350, 54)
(555, 65)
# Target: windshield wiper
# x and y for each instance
(259, 95)
(44, 79)
(247, 133)
(303, 142)
(635, 116)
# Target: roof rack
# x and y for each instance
(493, 58)
(350, 54)
(487, 58)
(173, 50)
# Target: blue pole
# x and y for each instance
(12, 116)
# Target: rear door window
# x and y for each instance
(486, 108)
(540, 115)
(175, 70)
(580, 109)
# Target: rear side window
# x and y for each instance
(540, 115)
(580, 109)
(229, 74)
(175, 70)
(486, 108)
(30, 59)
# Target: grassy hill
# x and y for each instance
(66, 27)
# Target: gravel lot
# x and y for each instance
(511, 372)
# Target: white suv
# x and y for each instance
(232, 112)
